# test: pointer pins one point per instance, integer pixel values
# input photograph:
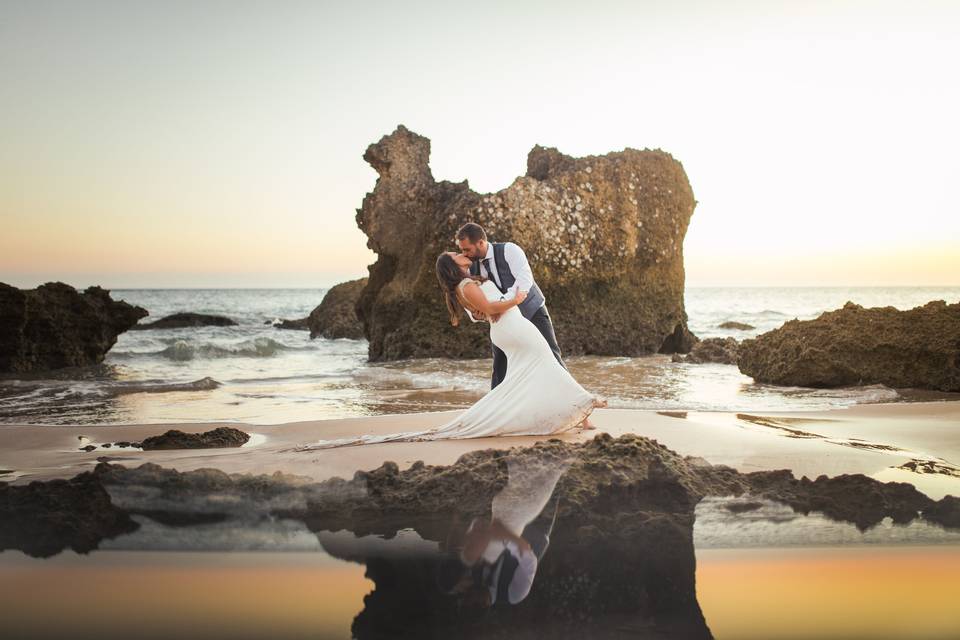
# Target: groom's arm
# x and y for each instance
(520, 267)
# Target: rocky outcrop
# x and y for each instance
(187, 319)
(215, 438)
(719, 350)
(604, 236)
(854, 345)
(54, 326)
(336, 315)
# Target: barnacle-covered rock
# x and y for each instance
(604, 236)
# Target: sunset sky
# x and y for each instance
(167, 144)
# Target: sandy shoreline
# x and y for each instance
(871, 439)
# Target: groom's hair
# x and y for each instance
(472, 232)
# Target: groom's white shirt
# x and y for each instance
(519, 266)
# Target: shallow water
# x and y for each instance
(764, 573)
(258, 374)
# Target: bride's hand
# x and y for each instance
(521, 296)
(493, 317)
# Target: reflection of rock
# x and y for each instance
(215, 438)
(721, 350)
(856, 345)
(621, 550)
(739, 326)
(180, 320)
(43, 518)
(604, 236)
(54, 326)
(336, 315)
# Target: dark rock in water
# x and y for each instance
(604, 236)
(296, 325)
(203, 384)
(180, 320)
(88, 447)
(741, 326)
(44, 518)
(854, 345)
(54, 326)
(719, 350)
(215, 438)
(336, 315)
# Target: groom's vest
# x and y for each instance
(535, 298)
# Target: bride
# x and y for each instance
(537, 396)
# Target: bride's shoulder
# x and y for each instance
(465, 282)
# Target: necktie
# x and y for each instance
(486, 265)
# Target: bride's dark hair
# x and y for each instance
(450, 276)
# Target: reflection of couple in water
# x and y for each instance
(495, 560)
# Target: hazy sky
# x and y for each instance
(219, 143)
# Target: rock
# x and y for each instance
(89, 447)
(918, 348)
(720, 350)
(604, 236)
(215, 438)
(740, 326)
(297, 325)
(54, 326)
(336, 315)
(43, 518)
(181, 320)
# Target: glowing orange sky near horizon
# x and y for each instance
(175, 145)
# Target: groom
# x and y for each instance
(506, 265)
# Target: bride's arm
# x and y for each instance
(479, 301)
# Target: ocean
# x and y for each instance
(265, 375)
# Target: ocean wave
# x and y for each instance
(262, 347)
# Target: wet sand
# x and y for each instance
(876, 440)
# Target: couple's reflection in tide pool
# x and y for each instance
(521, 569)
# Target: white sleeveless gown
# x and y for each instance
(536, 397)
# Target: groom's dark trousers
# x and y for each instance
(541, 320)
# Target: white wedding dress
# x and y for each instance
(536, 397)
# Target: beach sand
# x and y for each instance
(875, 440)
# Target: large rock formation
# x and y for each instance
(604, 235)
(54, 326)
(336, 315)
(856, 345)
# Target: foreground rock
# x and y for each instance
(182, 320)
(604, 236)
(54, 326)
(719, 350)
(857, 346)
(336, 315)
(215, 438)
